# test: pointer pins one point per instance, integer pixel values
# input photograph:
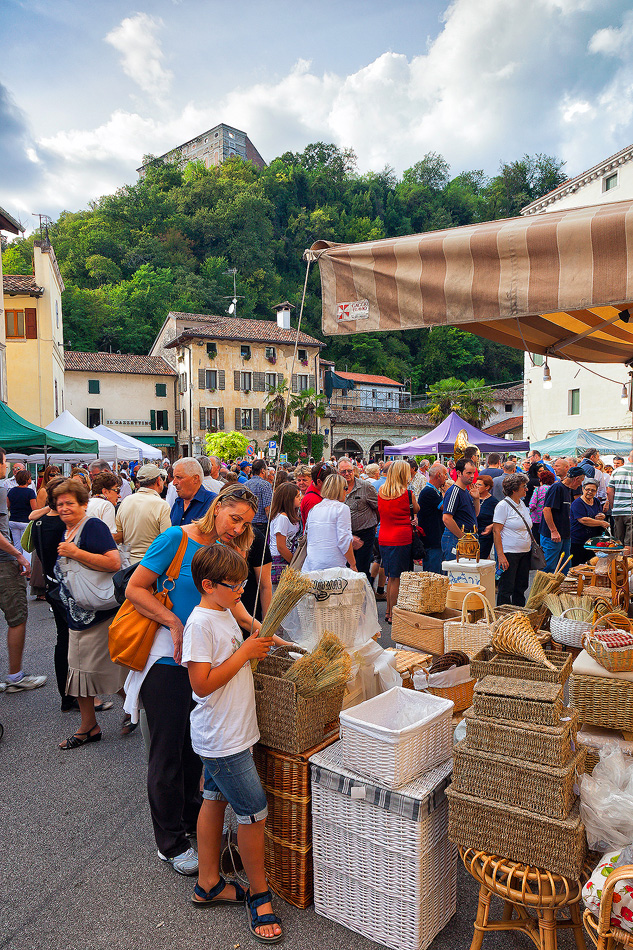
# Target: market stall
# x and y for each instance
(22, 439)
(578, 441)
(441, 440)
(143, 450)
(67, 425)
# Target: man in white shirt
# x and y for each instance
(141, 517)
(211, 468)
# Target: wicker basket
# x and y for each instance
(407, 662)
(616, 659)
(498, 697)
(550, 745)
(602, 701)
(469, 637)
(421, 631)
(559, 845)
(397, 735)
(335, 607)
(289, 870)
(490, 663)
(286, 720)
(535, 616)
(456, 666)
(570, 630)
(543, 789)
(423, 592)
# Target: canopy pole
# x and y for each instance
(581, 336)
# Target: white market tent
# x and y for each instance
(142, 449)
(67, 424)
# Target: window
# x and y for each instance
(610, 181)
(303, 383)
(212, 350)
(57, 312)
(271, 353)
(209, 419)
(271, 380)
(95, 417)
(245, 351)
(246, 381)
(302, 355)
(94, 387)
(574, 402)
(56, 401)
(374, 394)
(161, 389)
(211, 379)
(247, 418)
(182, 383)
(508, 407)
(15, 324)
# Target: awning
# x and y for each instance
(18, 435)
(551, 283)
(143, 450)
(578, 441)
(157, 440)
(441, 440)
(68, 425)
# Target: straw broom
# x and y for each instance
(545, 583)
(293, 585)
(328, 666)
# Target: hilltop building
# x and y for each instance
(213, 147)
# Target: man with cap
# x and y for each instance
(141, 517)
(245, 472)
(556, 520)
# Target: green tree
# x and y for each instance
(478, 404)
(308, 406)
(227, 446)
(444, 398)
(432, 171)
(277, 408)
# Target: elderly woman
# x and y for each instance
(303, 477)
(90, 669)
(395, 537)
(587, 520)
(513, 541)
(329, 529)
(173, 775)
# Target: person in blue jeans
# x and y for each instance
(460, 507)
(430, 517)
(556, 520)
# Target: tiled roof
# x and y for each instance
(507, 425)
(208, 327)
(363, 378)
(511, 393)
(353, 417)
(117, 363)
(21, 285)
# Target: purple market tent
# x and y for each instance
(441, 440)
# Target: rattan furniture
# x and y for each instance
(602, 933)
(523, 889)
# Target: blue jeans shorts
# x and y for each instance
(234, 779)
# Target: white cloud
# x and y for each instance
(141, 53)
(614, 41)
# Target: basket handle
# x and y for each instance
(485, 602)
(583, 610)
(606, 618)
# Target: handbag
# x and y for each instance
(130, 635)
(120, 581)
(90, 589)
(417, 546)
(537, 558)
(26, 540)
(301, 552)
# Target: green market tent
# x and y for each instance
(578, 441)
(18, 435)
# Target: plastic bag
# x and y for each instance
(606, 801)
(342, 602)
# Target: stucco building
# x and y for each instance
(213, 147)
(9, 224)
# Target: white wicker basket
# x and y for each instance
(397, 735)
(570, 630)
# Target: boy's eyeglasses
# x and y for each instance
(233, 587)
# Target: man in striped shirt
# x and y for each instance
(620, 501)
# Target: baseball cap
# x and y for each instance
(148, 473)
(576, 471)
(245, 464)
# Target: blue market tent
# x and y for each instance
(578, 441)
(441, 440)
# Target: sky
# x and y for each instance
(88, 88)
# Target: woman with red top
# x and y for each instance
(395, 536)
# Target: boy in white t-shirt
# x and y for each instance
(223, 730)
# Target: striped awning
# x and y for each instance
(552, 283)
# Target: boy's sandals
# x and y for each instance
(204, 898)
(253, 901)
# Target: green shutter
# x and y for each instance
(161, 389)
(93, 386)
(152, 418)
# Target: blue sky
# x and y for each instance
(86, 88)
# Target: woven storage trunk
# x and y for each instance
(397, 735)
(498, 697)
(383, 865)
(490, 663)
(602, 701)
(543, 789)
(421, 631)
(286, 720)
(550, 843)
(423, 592)
(551, 745)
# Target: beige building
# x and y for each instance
(7, 223)
(226, 367)
(133, 394)
(35, 338)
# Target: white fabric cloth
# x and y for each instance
(163, 645)
(102, 509)
(585, 665)
(329, 533)
(224, 722)
(172, 495)
(213, 484)
(281, 524)
(515, 537)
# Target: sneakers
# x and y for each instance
(28, 681)
(185, 863)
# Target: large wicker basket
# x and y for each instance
(570, 630)
(602, 700)
(617, 657)
(498, 697)
(490, 663)
(551, 745)
(423, 592)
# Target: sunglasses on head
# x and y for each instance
(239, 493)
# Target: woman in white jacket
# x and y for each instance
(329, 529)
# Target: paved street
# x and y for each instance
(77, 858)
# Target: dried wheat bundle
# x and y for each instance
(558, 603)
(514, 635)
(329, 665)
(293, 585)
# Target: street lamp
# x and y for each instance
(547, 376)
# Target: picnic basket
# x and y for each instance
(469, 637)
(570, 630)
(613, 650)
(423, 592)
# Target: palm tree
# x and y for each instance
(473, 400)
(444, 398)
(308, 406)
(278, 411)
(478, 405)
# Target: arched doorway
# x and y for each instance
(378, 448)
(347, 447)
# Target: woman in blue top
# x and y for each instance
(173, 774)
(587, 520)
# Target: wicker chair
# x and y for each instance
(602, 933)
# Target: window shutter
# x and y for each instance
(311, 382)
(221, 379)
(201, 379)
(238, 419)
(30, 317)
(280, 379)
(295, 383)
(236, 379)
(221, 419)
(203, 417)
(255, 418)
(164, 423)
(152, 418)
(259, 382)
(177, 420)
(184, 418)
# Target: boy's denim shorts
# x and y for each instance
(234, 779)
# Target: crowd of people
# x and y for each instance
(217, 537)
